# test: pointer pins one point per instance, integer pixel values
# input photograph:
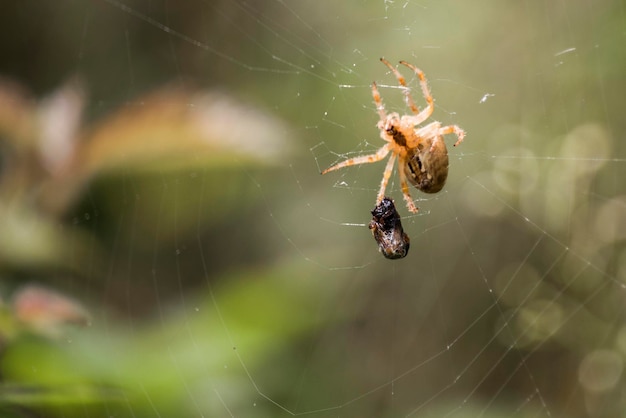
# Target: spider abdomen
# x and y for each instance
(427, 167)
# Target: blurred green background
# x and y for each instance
(168, 247)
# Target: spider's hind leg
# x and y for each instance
(453, 129)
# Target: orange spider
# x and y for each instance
(421, 151)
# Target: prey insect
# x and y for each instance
(386, 227)
(420, 150)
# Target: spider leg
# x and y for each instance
(405, 187)
(379, 102)
(453, 129)
(363, 159)
(385, 180)
(424, 114)
(407, 93)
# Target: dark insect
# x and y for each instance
(386, 227)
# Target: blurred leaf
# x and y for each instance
(261, 311)
(48, 159)
(46, 311)
(59, 121)
(31, 239)
(173, 130)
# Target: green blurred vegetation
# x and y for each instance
(168, 247)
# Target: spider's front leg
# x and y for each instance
(363, 159)
(385, 180)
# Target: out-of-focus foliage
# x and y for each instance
(50, 161)
(158, 365)
(50, 157)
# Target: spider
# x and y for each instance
(421, 151)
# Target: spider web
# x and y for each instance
(510, 301)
